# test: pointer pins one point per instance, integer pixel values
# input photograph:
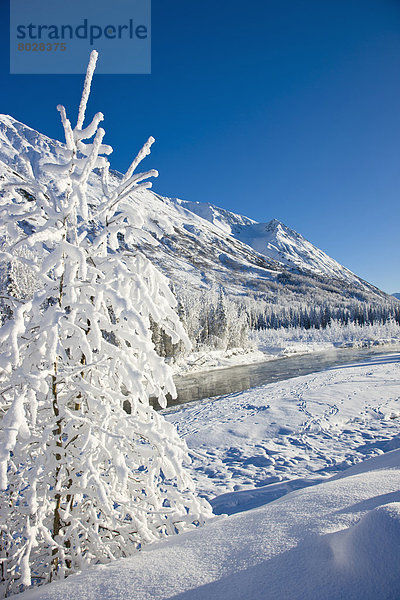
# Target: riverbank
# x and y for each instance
(270, 344)
(192, 387)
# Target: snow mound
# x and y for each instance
(370, 551)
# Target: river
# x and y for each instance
(220, 382)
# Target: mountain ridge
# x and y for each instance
(201, 246)
(273, 239)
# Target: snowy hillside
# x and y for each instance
(202, 246)
(277, 241)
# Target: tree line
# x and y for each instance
(214, 320)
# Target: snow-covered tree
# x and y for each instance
(81, 480)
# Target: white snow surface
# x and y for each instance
(331, 538)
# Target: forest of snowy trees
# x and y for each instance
(216, 321)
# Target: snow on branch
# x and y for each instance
(86, 88)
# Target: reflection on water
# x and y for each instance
(236, 379)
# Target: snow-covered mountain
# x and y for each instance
(274, 240)
(202, 246)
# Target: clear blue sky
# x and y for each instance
(269, 108)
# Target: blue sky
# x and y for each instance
(269, 108)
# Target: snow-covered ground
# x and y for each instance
(339, 540)
(337, 535)
(208, 360)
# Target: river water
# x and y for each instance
(220, 382)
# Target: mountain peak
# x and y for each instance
(274, 240)
(275, 224)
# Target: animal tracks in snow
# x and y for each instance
(312, 425)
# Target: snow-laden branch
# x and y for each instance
(86, 88)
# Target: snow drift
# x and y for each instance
(339, 539)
